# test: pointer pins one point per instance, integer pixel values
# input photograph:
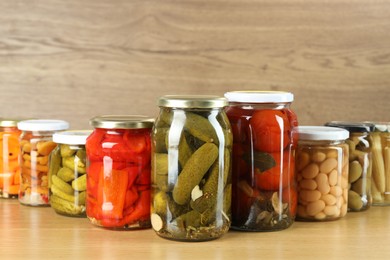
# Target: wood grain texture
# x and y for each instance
(40, 233)
(77, 59)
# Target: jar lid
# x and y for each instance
(43, 125)
(353, 127)
(72, 137)
(322, 133)
(192, 101)
(259, 96)
(380, 126)
(122, 122)
(6, 122)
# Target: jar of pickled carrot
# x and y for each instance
(264, 192)
(36, 144)
(118, 173)
(9, 154)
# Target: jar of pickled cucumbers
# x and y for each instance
(264, 190)
(67, 173)
(9, 155)
(118, 172)
(36, 143)
(322, 173)
(360, 168)
(191, 162)
(380, 185)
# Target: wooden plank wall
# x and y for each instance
(76, 59)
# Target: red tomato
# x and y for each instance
(268, 129)
(271, 179)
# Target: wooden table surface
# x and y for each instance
(39, 233)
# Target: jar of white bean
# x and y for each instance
(322, 173)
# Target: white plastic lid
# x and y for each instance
(322, 133)
(43, 125)
(259, 96)
(72, 137)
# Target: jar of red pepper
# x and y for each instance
(264, 193)
(118, 172)
(9, 155)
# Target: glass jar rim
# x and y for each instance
(72, 137)
(255, 96)
(322, 133)
(122, 122)
(192, 101)
(7, 122)
(352, 126)
(43, 125)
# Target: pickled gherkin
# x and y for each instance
(191, 175)
(68, 179)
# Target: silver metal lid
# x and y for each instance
(192, 101)
(122, 122)
(6, 122)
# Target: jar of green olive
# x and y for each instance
(322, 173)
(380, 185)
(191, 168)
(360, 164)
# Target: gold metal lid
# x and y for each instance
(5, 122)
(192, 101)
(122, 122)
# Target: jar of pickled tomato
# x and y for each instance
(118, 172)
(36, 145)
(9, 155)
(264, 194)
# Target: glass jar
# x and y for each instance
(118, 173)
(67, 173)
(322, 173)
(359, 176)
(191, 174)
(9, 155)
(380, 185)
(264, 194)
(36, 144)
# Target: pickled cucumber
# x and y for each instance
(185, 151)
(60, 193)
(66, 174)
(82, 155)
(71, 162)
(193, 172)
(60, 184)
(55, 164)
(201, 128)
(65, 207)
(66, 151)
(160, 135)
(80, 184)
(210, 190)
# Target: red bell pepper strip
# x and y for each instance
(113, 192)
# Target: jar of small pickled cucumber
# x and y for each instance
(360, 168)
(36, 143)
(67, 173)
(264, 190)
(322, 173)
(118, 172)
(9, 155)
(380, 185)
(191, 162)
